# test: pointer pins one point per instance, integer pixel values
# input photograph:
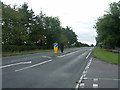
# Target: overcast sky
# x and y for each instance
(81, 15)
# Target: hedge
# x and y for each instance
(12, 48)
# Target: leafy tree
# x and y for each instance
(108, 27)
(22, 27)
(92, 45)
(13, 30)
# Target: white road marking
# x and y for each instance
(85, 78)
(33, 65)
(88, 54)
(46, 56)
(83, 74)
(82, 85)
(77, 86)
(88, 65)
(67, 54)
(95, 85)
(85, 71)
(16, 64)
(84, 53)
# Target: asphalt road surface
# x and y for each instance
(46, 70)
(100, 74)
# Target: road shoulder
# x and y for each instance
(100, 74)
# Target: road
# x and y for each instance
(46, 70)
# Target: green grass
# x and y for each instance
(4, 54)
(105, 55)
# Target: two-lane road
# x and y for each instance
(45, 70)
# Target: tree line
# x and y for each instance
(23, 30)
(108, 27)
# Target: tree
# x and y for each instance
(92, 45)
(21, 27)
(13, 29)
(108, 27)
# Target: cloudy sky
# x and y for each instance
(81, 15)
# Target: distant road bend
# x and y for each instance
(45, 70)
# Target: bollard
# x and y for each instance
(55, 48)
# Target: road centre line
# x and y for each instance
(68, 54)
(16, 64)
(33, 65)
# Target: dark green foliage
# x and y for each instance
(12, 48)
(79, 44)
(92, 45)
(23, 30)
(108, 28)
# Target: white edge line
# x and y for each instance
(83, 76)
(88, 54)
(77, 86)
(33, 65)
(16, 64)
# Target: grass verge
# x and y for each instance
(105, 55)
(5, 54)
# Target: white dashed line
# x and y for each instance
(95, 85)
(67, 54)
(77, 86)
(16, 64)
(83, 77)
(82, 85)
(33, 65)
(85, 71)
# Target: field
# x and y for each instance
(106, 55)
